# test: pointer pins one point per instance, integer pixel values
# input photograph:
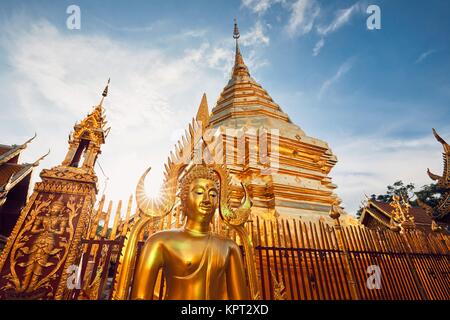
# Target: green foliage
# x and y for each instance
(428, 193)
(397, 188)
(100, 228)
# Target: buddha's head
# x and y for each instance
(200, 194)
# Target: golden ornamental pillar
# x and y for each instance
(40, 255)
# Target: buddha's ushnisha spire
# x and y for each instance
(239, 69)
(105, 92)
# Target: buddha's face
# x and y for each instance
(202, 200)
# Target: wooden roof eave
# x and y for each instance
(363, 215)
(15, 151)
(388, 215)
(373, 215)
(18, 177)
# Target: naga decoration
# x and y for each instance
(442, 209)
(400, 217)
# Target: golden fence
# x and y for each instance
(317, 261)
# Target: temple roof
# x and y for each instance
(8, 153)
(382, 211)
(11, 172)
(4, 149)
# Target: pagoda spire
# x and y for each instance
(239, 68)
(105, 93)
(87, 137)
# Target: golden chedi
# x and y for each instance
(286, 170)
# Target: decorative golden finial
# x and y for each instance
(239, 69)
(442, 141)
(335, 210)
(442, 181)
(400, 217)
(105, 92)
(236, 34)
(24, 145)
(36, 163)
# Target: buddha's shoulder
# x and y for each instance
(225, 240)
(165, 235)
(168, 236)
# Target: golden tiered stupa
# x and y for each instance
(285, 170)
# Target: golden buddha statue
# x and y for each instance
(196, 263)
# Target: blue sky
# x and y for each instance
(373, 95)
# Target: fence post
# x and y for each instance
(335, 214)
(411, 266)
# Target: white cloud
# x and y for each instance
(343, 69)
(221, 58)
(255, 36)
(341, 18)
(133, 29)
(259, 6)
(424, 55)
(318, 46)
(303, 16)
(53, 79)
(366, 165)
(195, 33)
